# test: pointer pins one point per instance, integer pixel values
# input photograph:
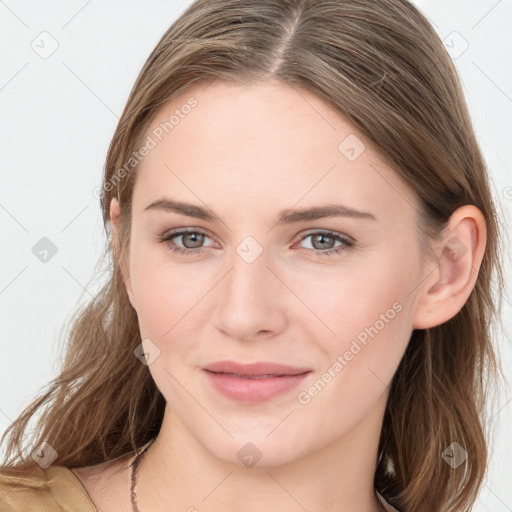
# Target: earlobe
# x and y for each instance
(449, 284)
(115, 216)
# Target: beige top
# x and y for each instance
(55, 489)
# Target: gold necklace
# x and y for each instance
(134, 477)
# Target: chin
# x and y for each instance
(255, 450)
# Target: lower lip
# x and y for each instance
(253, 391)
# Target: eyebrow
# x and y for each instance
(287, 216)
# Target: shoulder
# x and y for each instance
(46, 490)
(107, 484)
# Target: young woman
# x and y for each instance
(304, 249)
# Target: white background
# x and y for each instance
(58, 115)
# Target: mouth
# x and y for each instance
(252, 385)
(262, 369)
(253, 376)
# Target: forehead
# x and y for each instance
(264, 144)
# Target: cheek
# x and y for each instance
(371, 320)
(353, 297)
(366, 322)
(164, 291)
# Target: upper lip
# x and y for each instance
(254, 369)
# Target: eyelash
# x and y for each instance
(190, 252)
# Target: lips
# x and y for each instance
(255, 370)
(253, 383)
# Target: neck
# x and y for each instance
(339, 477)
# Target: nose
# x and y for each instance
(252, 299)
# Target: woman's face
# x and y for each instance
(334, 295)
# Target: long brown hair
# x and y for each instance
(382, 65)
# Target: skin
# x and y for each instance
(290, 305)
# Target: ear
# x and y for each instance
(450, 282)
(115, 216)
